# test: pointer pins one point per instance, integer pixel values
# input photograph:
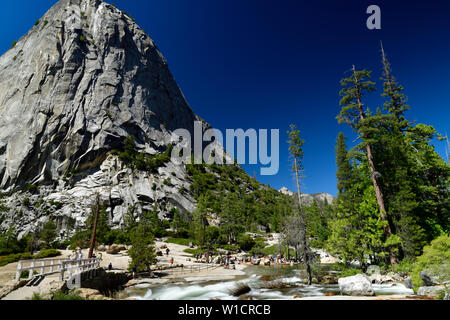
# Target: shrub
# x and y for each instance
(116, 236)
(180, 241)
(71, 295)
(404, 268)
(194, 252)
(13, 44)
(246, 242)
(4, 260)
(272, 250)
(32, 188)
(26, 273)
(47, 253)
(37, 22)
(3, 208)
(434, 255)
(349, 272)
(26, 202)
(231, 247)
(37, 296)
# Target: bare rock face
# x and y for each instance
(75, 86)
(79, 82)
(308, 199)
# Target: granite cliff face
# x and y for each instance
(81, 80)
(74, 86)
(71, 90)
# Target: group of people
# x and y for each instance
(76, 255)
(206, 256)
(231, 261)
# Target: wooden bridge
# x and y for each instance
(38, 269)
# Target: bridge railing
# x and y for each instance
(66, 267)
(192, 268)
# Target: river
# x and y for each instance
(259, 283)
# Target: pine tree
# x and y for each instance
(296, 150)
(353, 113)
(413, 173)
(142, 251)
(199, 221)
(48, 233)
(344, 168)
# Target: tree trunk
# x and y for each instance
(373, 172)
(94, 231)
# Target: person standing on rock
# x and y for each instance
(134, 271)
(167, 251)
(171, 261)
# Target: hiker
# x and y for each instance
(80, 255)
(171, 261)
(110, 266)
(167, 251)
(134, 272)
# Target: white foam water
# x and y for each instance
(223, 290)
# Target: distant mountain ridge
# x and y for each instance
(309, 198)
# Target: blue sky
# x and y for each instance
(267, 64)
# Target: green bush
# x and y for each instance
(26, 273)
(37, 296)
(32, 188)
(343, 270)
(272, 250)
(404, 268)
(26, 202)
(36, 23)
(230, 247)
(11, 258)
(349, 272)
(3, 208)
(246, 242)
(180, 241)
(63, 296)
(194, 251)
(13, 44)
(434, 255)
(131, 157)
(116, 236)
(47, 253)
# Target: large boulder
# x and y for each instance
(113, 249)
(358, 285)
(436, 275)
(408, 283)
(431, 291)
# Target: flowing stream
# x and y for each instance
(260, 283)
